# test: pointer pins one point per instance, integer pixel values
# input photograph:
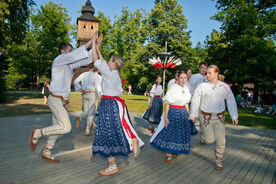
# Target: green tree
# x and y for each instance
(107, 29)
(129, 36)
(52, 26)
(20, 65)
(49, 26)
(166, 22)
(13, 26)
(243, 49)
(14, 16)
(128, 32)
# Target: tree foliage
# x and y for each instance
(51, 25)
(14, 16)
(244, 49)
(48, 27)
(146, 35)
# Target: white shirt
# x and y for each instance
(211, 99)
(177, 95)
(171, 82)
(195, 80)
(89, 82)
(111, 81)
(156, 90)
(62, 70)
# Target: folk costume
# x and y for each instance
(208, 101)
(91, 92)
(194, 81)
(60, 88)
(176, 137)
(171, 82)
(192, 84)
(153, 115)
(114, 132)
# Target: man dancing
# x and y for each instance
(89, 84)
(210, 98)
(193, 83)
(60, 88)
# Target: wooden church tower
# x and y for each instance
(87, 24)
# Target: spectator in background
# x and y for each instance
(16, 85)
(129, 90)
(45, 91)
(260, 107)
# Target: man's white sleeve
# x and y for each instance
(77, 82)
(231, 105)
(196, 100)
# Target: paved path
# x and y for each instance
(249, 158)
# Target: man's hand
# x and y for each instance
(235, 122)
(82, 91)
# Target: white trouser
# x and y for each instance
(61, 121)
(214, 131)
(89, 103)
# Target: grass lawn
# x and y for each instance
(26, 104)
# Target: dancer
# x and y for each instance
(91, 90)
(188, 72)
(173, 134)
(173, 81)
(209, 98)
(60, 88)
(198, 78)
(155, 107)
(193, 83)
(114, 132)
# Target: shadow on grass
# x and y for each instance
(22, 110)
(12, 97)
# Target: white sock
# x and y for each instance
(87, 130)
(37, 133)
(112, 167)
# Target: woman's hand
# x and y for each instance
(99, 41)
(192, 119)
(167, 122)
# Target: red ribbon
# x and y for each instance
(158, 65)
(177, 106)
(124, 123)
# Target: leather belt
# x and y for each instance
(64, 102)
(88, 92)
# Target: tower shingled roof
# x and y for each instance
(88, 13)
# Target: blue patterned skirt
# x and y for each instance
(176, 137)
(110, 139)
(153, 115)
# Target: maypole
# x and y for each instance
(164, 72)
(164, 63)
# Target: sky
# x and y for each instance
(197, 12)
